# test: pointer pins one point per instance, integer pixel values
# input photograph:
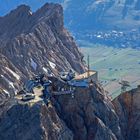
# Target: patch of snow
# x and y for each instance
(13, 73)
(99, 36)
(52, 51)
(65, 4)
(6, 92)
(33, 64)
(53, 59)
(101, 123)
(30, 13)
(113, 111)
(52, 64)
(99, 1)
(56, 127)
(94, 5)
(114, 31)
(45, 70)
(11, 84)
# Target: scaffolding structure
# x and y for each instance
(124, 85)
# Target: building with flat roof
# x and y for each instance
(89, 75)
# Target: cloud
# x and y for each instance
(65, 4)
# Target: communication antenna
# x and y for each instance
(88, 65)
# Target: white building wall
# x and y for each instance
(93, 77)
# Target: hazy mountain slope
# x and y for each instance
(104, 14)
(112, 22)
(35, 42)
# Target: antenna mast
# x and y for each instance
(88, 65)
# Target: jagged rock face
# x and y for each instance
(35, 42)
(37, 122)
(90, 115)
(127, 107)
(4, 101)
(9, 80)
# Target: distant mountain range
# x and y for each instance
(110, 22)
(92, 14)
(115, 23)
(102, 14)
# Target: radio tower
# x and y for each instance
(88, 66)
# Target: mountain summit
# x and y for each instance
(32, 43)
(35, 42)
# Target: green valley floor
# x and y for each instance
(114, 65)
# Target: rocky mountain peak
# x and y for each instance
(50, 7)
(50, 12)
(24, 9)
(22, 20)
(16, 22)
(39, 41)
